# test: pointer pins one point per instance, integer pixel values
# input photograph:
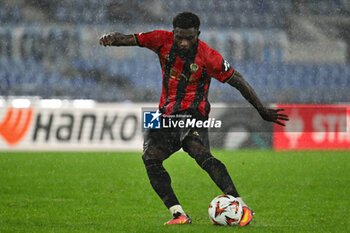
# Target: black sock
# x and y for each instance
(161, 182)
(218, 173)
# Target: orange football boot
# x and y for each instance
(179, 219)
(247, 216)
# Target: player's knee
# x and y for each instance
(195, 147)
(152, 153)
(145, 156)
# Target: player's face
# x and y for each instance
(185, 39)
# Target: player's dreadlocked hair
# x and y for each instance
(186, 20)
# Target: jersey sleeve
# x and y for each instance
(218, 67)
(153, 40)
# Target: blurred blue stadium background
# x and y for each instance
(291, 51)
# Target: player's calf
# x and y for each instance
(161, 182)
(218, 173)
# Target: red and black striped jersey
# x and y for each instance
(185, 81)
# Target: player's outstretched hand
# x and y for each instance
(107, 39)
(273, 115)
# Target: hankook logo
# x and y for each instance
(15, 124)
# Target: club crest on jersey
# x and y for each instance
(194, 68)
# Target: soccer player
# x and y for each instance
(187, 67)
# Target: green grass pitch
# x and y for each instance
(110, 192)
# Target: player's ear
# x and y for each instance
(199, 32)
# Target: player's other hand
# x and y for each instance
(107, 39)
(273, 115)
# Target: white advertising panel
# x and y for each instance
(72, 126)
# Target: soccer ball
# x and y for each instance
(225, 210)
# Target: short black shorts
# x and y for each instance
(170, 140)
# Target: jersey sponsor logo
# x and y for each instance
(151, 119)
(174, 74)
(15, 125)
(225, 65)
